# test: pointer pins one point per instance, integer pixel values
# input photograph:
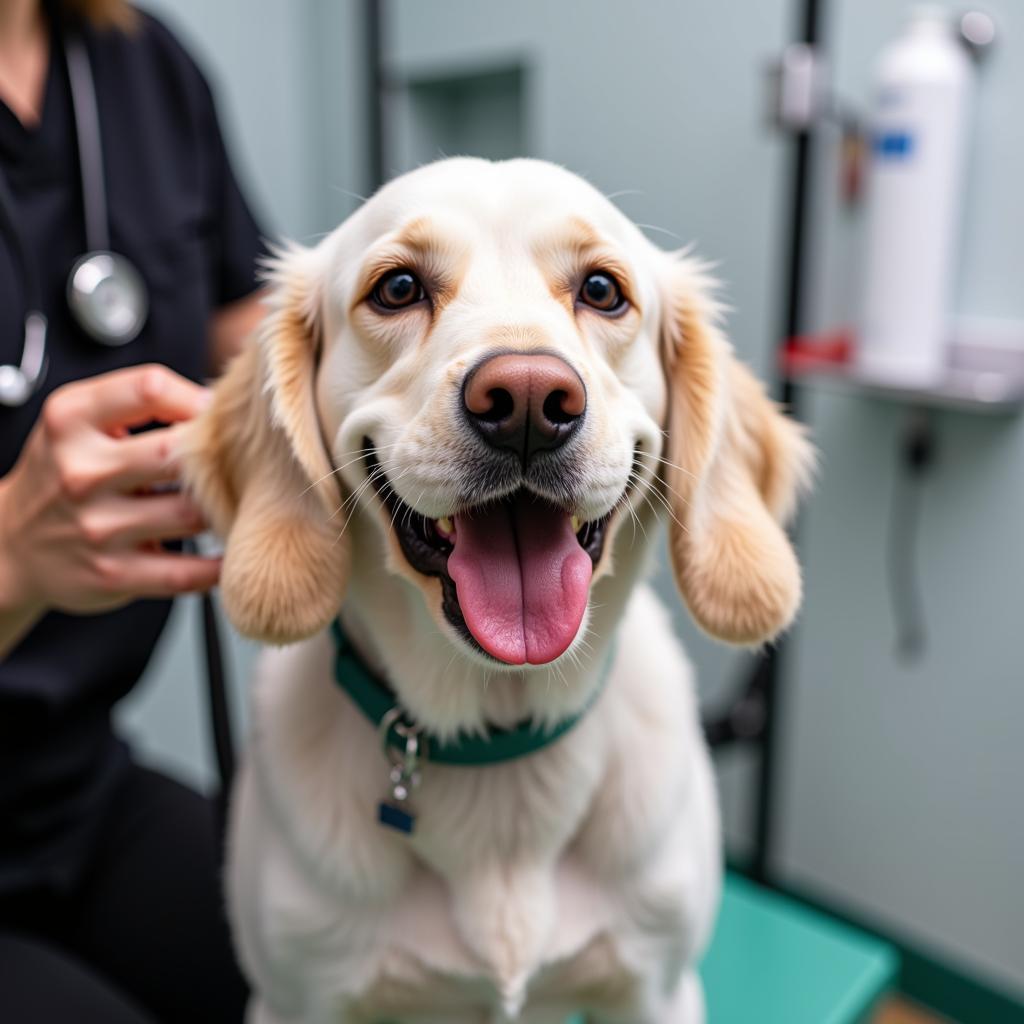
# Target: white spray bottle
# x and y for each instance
(924, 87)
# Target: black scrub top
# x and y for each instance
(177, 213)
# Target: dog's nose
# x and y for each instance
(524, 402)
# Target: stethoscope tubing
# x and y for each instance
(113, 276)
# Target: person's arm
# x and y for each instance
(80, 525)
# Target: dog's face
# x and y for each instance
(492, 364)
(491, 351)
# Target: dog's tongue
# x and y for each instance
(522, 579)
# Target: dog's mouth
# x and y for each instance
(515, 572)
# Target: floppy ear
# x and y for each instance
(739, 466)
(257, 464)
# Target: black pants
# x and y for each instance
(143, 938)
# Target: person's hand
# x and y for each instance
(80, 527)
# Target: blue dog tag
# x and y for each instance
(396, 817)
(394, 810)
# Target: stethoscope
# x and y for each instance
(105, 293)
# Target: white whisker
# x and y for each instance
(668, 508)
(361, 454)
(664, 231)
(668, 462)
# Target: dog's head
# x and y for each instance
(477, 380)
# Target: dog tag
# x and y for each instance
(396, 817)
(395, 810)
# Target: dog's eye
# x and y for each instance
(398, 290)
(602, 292)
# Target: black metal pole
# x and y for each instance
(373, 26)
(769, 670)
(219, 707)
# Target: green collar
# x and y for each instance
(378, 702)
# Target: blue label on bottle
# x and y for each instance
(893, 145)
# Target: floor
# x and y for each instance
(898, 1011)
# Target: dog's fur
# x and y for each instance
(584, 876)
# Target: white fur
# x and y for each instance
(596, 859)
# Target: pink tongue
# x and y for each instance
(522, 579)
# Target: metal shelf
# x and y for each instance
(980, 378)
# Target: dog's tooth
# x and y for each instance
(445, 526)
(577, 523)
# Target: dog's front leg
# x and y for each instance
(684, 1006)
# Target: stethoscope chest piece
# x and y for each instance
(107, 298)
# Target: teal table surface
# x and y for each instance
(776, 961)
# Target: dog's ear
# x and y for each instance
(738, 466)
(257, 464)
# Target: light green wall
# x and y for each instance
(900, 785)
(903, 784)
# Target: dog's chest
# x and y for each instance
(493, 908)
(531, 952)
(489, 853)
(529, 886)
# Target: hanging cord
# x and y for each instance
(916, 454)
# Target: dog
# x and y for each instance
(454, 438)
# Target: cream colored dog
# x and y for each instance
(457, 431)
